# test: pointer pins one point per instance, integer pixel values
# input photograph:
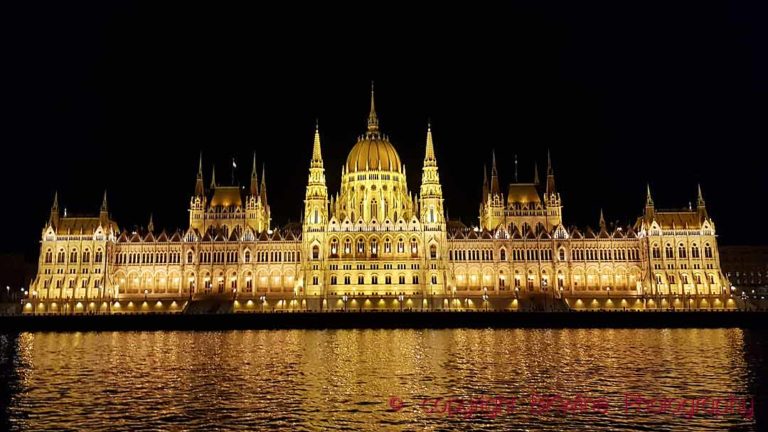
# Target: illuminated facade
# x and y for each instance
(376, 245)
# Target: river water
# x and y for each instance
(456, 379)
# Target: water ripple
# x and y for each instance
(310, 380)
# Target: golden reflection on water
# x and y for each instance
(343, 379)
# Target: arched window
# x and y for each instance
(360, 246)
(334, 247)
(707, 251)
(414, 248)
(316, 216)
(315, 252)
(695, 251)
(668, 251)
(347, 246)
(432, 215)
(48, 256)
(656, 251)
(86, 256)
(503, 254)
(99, 257)
(73, 256)
(681, 252)
(374, 209)
(374, 248)
(562, 254)
(190, 257)
(400, 246)
(433, 252)
(247, 256)
(387, 245)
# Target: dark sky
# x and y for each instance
(124, 96)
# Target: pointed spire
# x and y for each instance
(373, 121)
(701, 206)
(648, 199)
(254, 178)
(317, 156)
(550, 176)
(213, 177)
(151, 225)
(104, 202)
(602, 220)
(495, 190)
(263, 192)
(535, 173)
(429, 155)
(53, 219)
(199, 186)
(104, 213)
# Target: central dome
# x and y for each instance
(373, 151)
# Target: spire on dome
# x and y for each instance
(373, 121)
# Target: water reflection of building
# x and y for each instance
(376, 244)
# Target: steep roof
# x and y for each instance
(523, 193)
(226, 196)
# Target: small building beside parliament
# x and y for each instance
(374, 244)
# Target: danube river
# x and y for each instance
(385, 380)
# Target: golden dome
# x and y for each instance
(373, 153)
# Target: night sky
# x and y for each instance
(124, 96)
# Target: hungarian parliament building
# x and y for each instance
(375, 244)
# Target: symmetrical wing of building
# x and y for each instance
(376, 244)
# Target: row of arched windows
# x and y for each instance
(682, 251)
(671, 279)
(148, 258)
(371, 249)
(519, 254)
(73, 256)
(374, 280)
(474, 255)
(604, 254)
